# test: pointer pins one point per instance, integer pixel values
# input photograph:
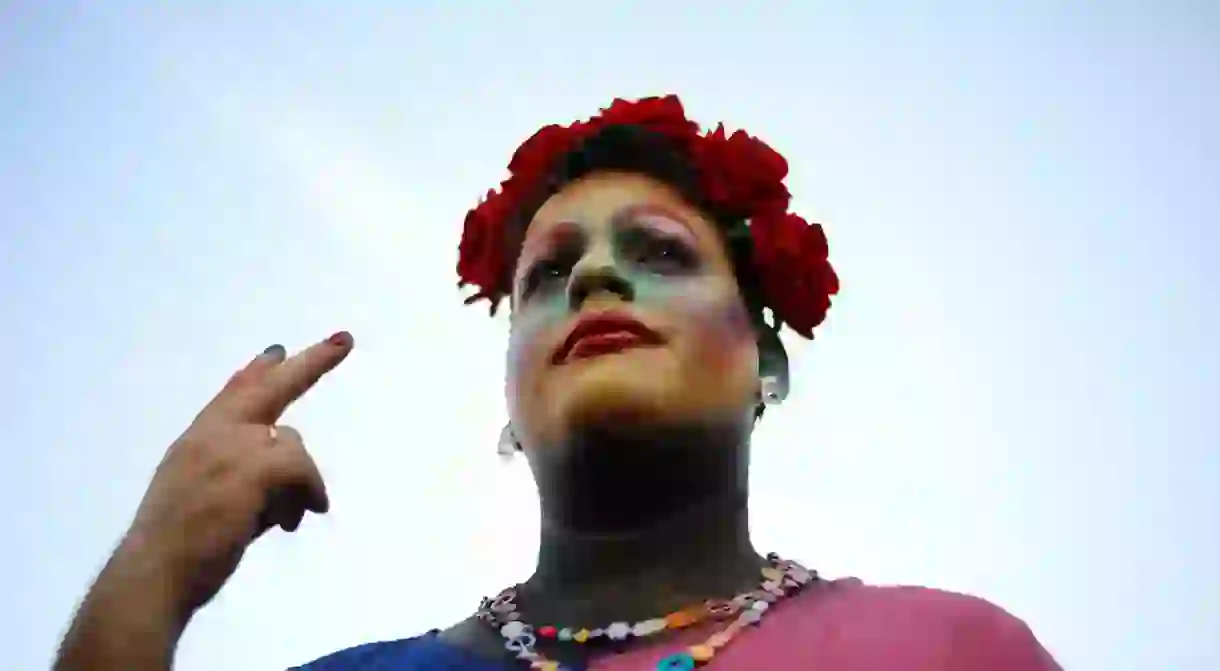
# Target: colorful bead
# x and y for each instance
(735, 627)
(681, 619)
(648, 627)
(799, 573)
(720, 608)
(618, 631)
(702, 654)
(680, 661)
(747, 609)
(514, 629)
(505, 602)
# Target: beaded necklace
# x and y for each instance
(780, 578)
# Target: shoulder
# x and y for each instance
(964, 631)
(421, 653)
(913, 600)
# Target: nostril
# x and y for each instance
(600, 281)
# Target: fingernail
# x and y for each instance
(275, 352)
(340, 339)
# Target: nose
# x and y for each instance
(597, 278)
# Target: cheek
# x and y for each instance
(528, 340)
(723, 334)
(715, 319)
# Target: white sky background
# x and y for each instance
(1014, 396)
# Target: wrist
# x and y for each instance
(141, 575)
(130, 619)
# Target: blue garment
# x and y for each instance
(423, 653)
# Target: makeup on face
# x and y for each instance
(644, 240)
(659, 217)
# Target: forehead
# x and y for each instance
(592, 203)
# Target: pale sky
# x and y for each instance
(1013, 397)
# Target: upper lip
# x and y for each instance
(600, 323)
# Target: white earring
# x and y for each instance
(771, 391)
(508, 443)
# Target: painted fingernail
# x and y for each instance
(275, 352)
(340, 339)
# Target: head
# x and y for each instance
(622, 230)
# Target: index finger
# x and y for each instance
(296, 375)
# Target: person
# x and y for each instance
(649, 267)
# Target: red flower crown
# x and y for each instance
(739, 175)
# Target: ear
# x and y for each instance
(772, 360)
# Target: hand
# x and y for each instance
(231, 476)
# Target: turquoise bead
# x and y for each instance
(679, 661)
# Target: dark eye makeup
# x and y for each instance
(656, 251)
(549, 270)
(637, 241)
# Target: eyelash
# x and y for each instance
(551, 268)
(672, 254)
(540, 273)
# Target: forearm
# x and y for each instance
(128, 621)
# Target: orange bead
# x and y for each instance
(702, 654)
(719, 640)
(680, 619)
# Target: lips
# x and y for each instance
(605, 333)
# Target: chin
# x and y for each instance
(630, 387)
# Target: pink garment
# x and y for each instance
(849, 626)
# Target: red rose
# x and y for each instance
(790, 256)
(536, 155)
(473, 250)
(743, 174)
(663, 115)
(481, 254)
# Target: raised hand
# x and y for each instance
(232, 475)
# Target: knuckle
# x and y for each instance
(288, 434)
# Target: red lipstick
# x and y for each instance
(604, 333)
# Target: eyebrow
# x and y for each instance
(625, 215)
(560, 234)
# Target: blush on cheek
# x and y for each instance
(723, 328)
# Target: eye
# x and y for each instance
(663, 254)
(546, 272)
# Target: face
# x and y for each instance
(629, 246)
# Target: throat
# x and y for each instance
(639, 530)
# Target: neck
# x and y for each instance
(634, 526)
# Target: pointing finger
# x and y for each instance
(288, 381)
(258, 366)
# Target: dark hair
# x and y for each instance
(629, 148)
